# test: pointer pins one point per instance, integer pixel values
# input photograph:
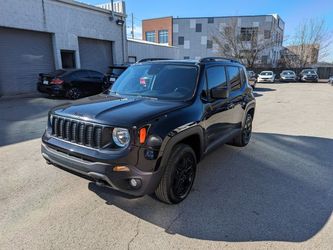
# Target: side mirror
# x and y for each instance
(219, 92)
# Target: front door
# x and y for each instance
(218, 116)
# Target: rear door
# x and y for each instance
(237, 81)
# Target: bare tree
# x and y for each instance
(244, 46)
(309, 43)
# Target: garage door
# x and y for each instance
(23, 55)
(95, 54)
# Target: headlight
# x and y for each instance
(121, 137)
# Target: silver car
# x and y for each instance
(288, 76)
(266, 76)
(330, 80)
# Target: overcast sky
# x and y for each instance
(292, 12)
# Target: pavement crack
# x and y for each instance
(137, 231)
(173, 221)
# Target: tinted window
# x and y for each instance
(234, 78)
(243, 76)
(216, 77)
(210, 19)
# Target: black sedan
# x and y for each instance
(72, 84)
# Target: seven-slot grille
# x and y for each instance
(79, 132)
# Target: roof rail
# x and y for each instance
(217, 58)
(152, 59)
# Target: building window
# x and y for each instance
(132, 59)
(209, 44)
(249, 34)
(198, 27)
(68, 59)
(186, 57)
(210, 19)
(267, 34)
(150, 36)
(264, 59)
(163, 36)
(181, 40)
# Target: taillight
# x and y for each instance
(57, 81)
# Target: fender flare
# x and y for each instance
(251, 105)
(176, 136)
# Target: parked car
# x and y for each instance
(113, 73)
(308, 75)
(288, 76)
(149, 131)
(330, 80)
(266, 76)
(73, 84)
(252, 78)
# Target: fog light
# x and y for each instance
(135, 183)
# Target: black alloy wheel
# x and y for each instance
(184, 176)
(243, 138)
(247, 130)
(74, 93)
(179, 175)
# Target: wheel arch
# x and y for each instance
(249, 109)
(192, 136)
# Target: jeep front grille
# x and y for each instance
(80, 132)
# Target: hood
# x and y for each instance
(117, 111)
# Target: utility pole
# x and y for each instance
(132, 26)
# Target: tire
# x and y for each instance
(176, 182)
(243, 138)
(74, 93)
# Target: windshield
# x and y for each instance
(288, 73)
(164, 81)
(266, 73)
(309, 72)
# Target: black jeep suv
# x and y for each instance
(148, 132)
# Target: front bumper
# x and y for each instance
(287, 79)
(309, 79)
(259, 80)
(98, 166)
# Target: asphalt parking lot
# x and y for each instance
(275, 193)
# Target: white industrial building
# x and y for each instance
(138, 49)
(39, 36)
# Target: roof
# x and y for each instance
(192, 62)
(150, 43)
(88, 6)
